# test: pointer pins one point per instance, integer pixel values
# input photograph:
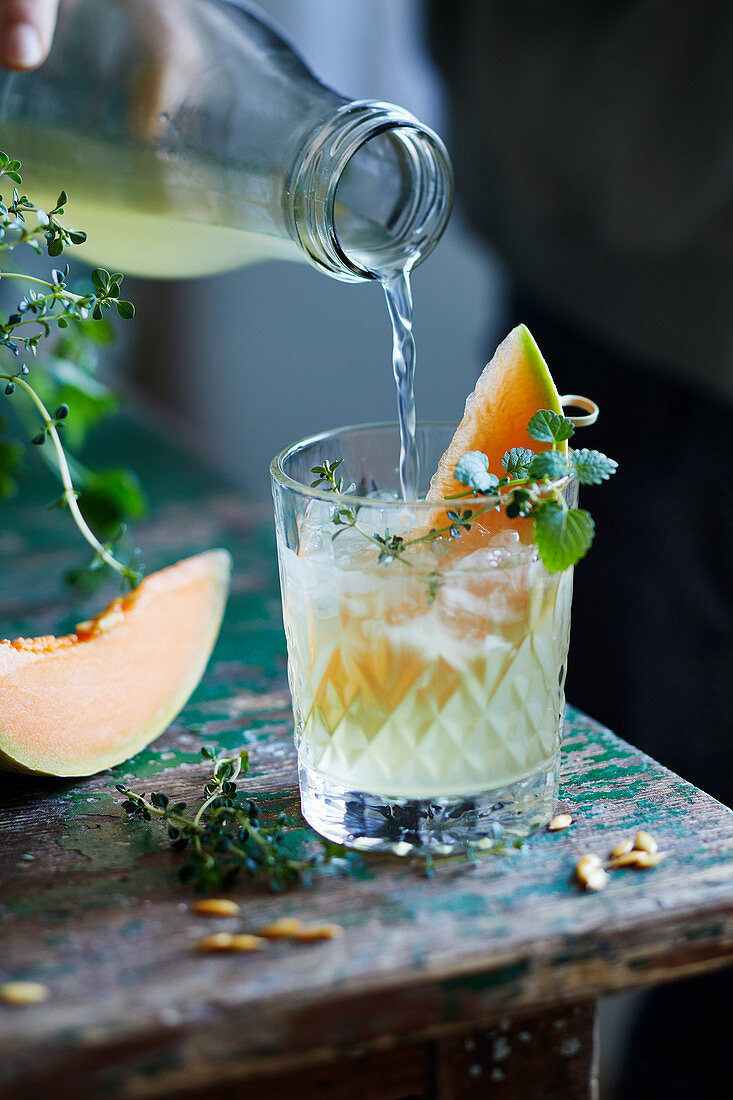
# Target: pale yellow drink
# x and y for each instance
(399, 694)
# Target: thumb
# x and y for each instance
(26, 31)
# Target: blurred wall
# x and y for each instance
(277, 351)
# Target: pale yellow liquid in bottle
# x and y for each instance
(156, 245)
(144, 216)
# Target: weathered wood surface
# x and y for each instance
(90, 905)
(550, 1056)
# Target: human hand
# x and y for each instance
(26, 30)
(170, 58)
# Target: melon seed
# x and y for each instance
(282, 929)
(216, 907)
(561, 821)
(588, 862)
(24, 993)
(243, 941)
(226, 941)
(622, 848)
(220, 941)
(649, 859)
(640, 860)
(645, 842)
(589, 871)
(596, 879)
(317, 932)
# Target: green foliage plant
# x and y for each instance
(68, 325)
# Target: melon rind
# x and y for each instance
(80, 709)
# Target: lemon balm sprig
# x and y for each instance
(532, 487)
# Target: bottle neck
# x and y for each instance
(370, 192)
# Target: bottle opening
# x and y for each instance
(371, 193)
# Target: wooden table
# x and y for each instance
(477, 982)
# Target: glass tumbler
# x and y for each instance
(427, 670)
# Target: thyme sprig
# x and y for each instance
(345, 517)
(41, 313)
(14, 229)
(69, 498)
(59, 304)
(225, 837)
(531, 487)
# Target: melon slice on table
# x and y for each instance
(510, 390)
(78, 704)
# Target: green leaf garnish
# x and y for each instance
(531, 490)
(592, 467)
(549, 464)
(473, 470)
(327, 476)
(460, 521)
(517, 461)
(563, 535)
(550, 427)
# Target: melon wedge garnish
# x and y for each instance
(77, 704)
(514, 407)
(510, 390)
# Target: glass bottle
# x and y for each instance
(192, 139)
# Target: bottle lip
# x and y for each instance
(311, 186)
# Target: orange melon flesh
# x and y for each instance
(510, 390)
(84, 702)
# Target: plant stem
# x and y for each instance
(194, 826)
(212, 798)
(69, 494)
(27, 278)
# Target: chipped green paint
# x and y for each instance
(95, 827)
(465, 904)
(79, 794)
(108, 844)
(154, 762)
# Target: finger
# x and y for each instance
(26, 31)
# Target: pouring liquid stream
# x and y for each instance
(398, 293)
